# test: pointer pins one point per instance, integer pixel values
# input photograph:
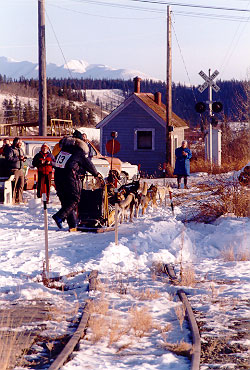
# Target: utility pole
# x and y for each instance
(169, 89)
(42, 69)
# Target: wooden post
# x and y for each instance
(112, 154)
(116, 218)
(169, 89)
(35, 186)
(42, 69)
(44, 198)
(171, 201)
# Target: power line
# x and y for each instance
(212, 16)
(151, 10)
(59, 45)
(191, 5)
(183, 61)
(232, 47)
(157, 2)
(164, 3)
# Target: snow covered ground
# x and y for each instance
(108, 99)
(132, 288)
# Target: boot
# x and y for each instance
(72, 229)
(58, 221)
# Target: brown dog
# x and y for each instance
(149, 197)
(162, 191)
(126, 205)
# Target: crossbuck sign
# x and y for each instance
(208, 81)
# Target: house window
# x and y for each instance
(144, 139)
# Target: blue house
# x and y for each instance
(141, 125)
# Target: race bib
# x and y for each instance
(62, 159)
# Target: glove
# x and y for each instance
(100, 179)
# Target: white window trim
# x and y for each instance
(175, 137)
(153, 138)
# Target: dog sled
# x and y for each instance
(95, 213)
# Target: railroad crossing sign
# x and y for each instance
(208, 81)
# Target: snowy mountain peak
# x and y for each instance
(74, 68)
(77, 66)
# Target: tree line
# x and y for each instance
(233, 94)
(15, 112)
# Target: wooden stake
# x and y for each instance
(116, 218)
(171, 201)
(44, 198)
(34, 186)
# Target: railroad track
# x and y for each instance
(66, 352)
(197, 349)
(69, 348)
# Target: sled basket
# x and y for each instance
(93, 213)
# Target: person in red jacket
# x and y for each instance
(6, 146)
(43, 162)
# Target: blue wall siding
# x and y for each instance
(133, 116)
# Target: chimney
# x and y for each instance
(158, 98)
(137, 85)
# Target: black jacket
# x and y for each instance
(13, 156)
(78, 160)
(70, 164)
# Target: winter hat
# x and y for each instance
(77, 134)
(15, 140)
(45, 145)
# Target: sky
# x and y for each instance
(218, 286)
(131, 34)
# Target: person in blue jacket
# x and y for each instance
(182, 163)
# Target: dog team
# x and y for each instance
(131, 197)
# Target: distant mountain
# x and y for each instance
(73, 69)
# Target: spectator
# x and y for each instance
(79, 135)
(91, 150)
(15, 161)
(43, 162)
(71, 163)
(182, 164)
(5, 148)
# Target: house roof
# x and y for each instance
(160, 110)
(146, 100)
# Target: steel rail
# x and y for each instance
(70, 346)
(196, 351)
(80, 331)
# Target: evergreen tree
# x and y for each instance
(91, 118)
(17, 109)
(9, 112)
(27, 112)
